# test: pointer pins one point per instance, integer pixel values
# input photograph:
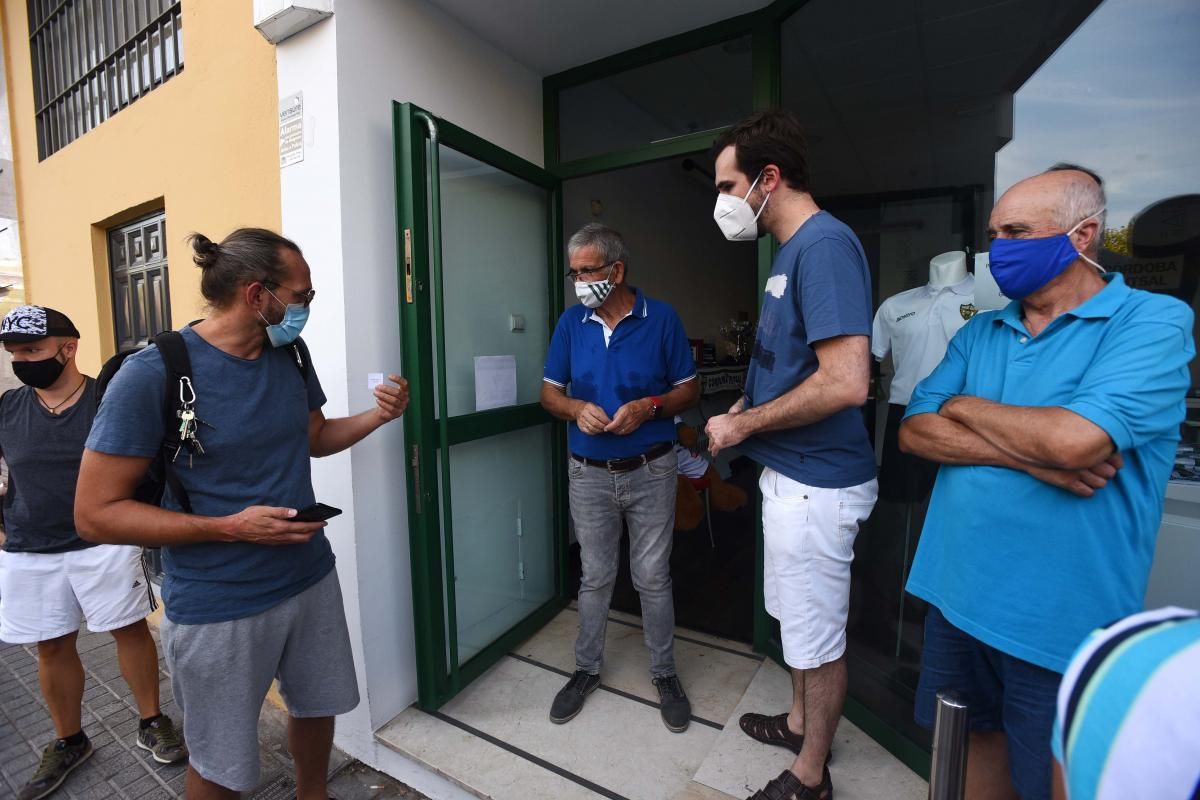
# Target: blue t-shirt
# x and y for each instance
(820, 287)
(1023, 566)
(255, 453)
(647, 356)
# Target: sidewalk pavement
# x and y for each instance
(119, 770)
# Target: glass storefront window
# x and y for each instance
(690, 93)
(919, 117)
(1122, 97)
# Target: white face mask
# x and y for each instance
(736, 218)
(594, 294)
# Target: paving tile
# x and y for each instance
(13, 751)
(101, 738)
(861, 768)
(494, 772)
(145, 786)
(714, 672)
(116, 771)
(118, 763)
(698, 791)
(23, 763)
(510, 703)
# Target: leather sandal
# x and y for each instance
(774, 731)
(771, 730)
(788, 787)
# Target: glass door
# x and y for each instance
(481, 288)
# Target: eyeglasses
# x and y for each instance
(575, 275)
(307, 297)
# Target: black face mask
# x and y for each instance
(39, 374)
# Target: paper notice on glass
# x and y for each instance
(495, 382)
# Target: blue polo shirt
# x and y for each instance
(1023, 566)
(647, 356)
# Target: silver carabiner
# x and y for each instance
(186, 382)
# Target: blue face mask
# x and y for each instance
(1023, 266)
(287, 329)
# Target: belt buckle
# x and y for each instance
(612, 463)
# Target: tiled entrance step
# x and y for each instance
(496, 741)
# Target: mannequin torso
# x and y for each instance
(947, 269)
(916, 326)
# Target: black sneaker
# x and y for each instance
(569, 700)
(163, 741)
(58, 759)
(675, 707)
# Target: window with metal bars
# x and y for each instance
(92, 58)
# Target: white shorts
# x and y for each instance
(46, 595)
(808, 536)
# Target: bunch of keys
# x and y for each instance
(188, 422)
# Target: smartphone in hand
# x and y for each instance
(317, 512)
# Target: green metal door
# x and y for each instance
(480, 290)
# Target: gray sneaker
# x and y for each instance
(58, 759)
(163, 741)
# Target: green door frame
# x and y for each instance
(429, 432)
(764, 28)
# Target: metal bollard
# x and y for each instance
(948, 771)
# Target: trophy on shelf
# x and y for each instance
(739, 338)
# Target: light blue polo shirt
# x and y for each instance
(1023, 566)
(647, 356)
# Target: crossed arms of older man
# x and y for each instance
(1072, 442)
(1051, 443)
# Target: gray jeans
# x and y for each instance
(644, 498)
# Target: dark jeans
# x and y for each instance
(1003, 693)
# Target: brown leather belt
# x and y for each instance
(627, 464)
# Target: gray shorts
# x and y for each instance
(221, 672)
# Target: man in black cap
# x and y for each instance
(50, 579)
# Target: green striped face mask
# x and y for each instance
(594, 294)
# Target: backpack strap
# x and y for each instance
(178, 365)
(301, 358)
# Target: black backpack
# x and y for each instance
(161, 475)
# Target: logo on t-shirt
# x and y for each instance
(968, 310)
(906, 316)
(777, 285)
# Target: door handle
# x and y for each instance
(408, 265)
(416, 473)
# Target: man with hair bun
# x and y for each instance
(251, 592)
(50, 579)
(1056, 421)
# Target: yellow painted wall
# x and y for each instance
(203, 145)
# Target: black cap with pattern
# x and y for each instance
(30, 323)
